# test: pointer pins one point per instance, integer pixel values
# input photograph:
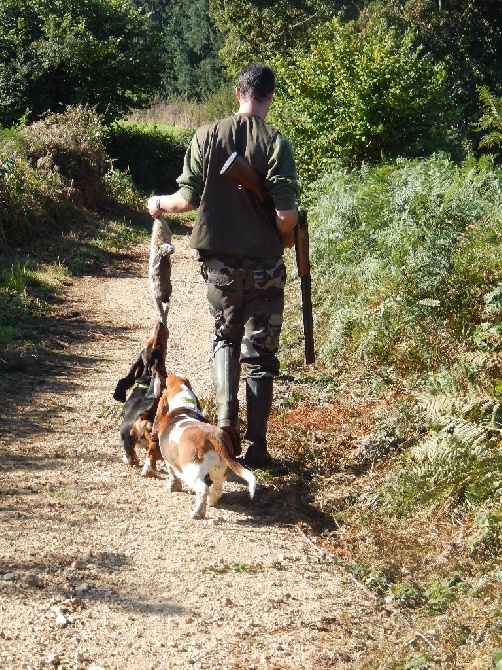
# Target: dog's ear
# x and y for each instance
(126, 382)
(158, 364)
(120, 390)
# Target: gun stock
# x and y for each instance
(237, 169)
(303, 264)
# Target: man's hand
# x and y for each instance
(154, 206)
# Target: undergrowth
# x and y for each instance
(403, 443)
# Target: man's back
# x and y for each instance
(231, 219)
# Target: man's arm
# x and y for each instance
(174, 203)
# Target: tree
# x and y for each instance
(190, 44)
(55, 53)
(256, 30)
(465, 35)
(355, 98)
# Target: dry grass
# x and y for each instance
(188, 113)
(441, 601)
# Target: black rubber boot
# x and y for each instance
(259, 394)
(226, 375)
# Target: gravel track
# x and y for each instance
(101, 568)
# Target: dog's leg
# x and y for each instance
(128, 438)
(201, 489)
(152, 455)
(218, 475)
(173, 483)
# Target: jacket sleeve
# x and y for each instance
(190, 182)
(281, 180)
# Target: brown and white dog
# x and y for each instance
(147, 378)
(193, 449)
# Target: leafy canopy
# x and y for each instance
(357, 97)
(256, 30)
(55, 53)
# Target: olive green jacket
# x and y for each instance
(231, 220)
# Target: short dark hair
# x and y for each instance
(256, 81)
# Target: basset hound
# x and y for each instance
(146, 378)
(195, 452)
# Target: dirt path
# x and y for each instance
(101, 568)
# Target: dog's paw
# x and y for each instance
(148, 470)
(198, 513)
(131, 460)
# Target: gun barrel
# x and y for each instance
(308, 321)
(303, 264)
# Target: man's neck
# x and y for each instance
(254, 107)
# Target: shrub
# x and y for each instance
(71, 144)
(357, 97)
(55, 54)
(152, 155)
(48, 167)
(406, 261)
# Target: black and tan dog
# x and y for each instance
(146, 378)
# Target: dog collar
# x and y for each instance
(140, 385)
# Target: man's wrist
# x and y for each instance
(157, 203)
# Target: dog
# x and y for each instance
(194, 450)
(159, 267)
(147, 379)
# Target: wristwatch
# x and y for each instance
(157, 203)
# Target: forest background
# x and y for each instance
(395, 113)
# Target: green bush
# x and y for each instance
(152, 155)
(356, 97)
(55, 54)
(49, 168)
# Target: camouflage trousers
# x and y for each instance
(246, 300)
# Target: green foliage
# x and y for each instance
(28, 197)
(191, 66)
(491, 121)
(55, 53)
(120, 187)
(458, 467)
(487, 541)
(51, 167)
(257, 31)
(466, 36)
(25, 290)
(152, 155)
(442, 592)
(405, 260)
(357, 97)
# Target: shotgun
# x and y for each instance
(238, 170)
(303, 265)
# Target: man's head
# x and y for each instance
(256, 82)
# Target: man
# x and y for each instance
(240, 242)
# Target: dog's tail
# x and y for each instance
(223, 447)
